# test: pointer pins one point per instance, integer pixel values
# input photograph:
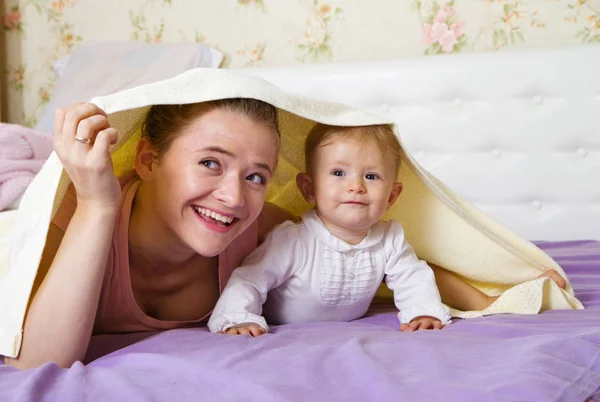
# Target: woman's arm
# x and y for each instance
(459, 294)
(59, 322)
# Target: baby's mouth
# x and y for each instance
(213, 217)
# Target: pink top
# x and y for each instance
(117, 310)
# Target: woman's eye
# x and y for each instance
(371, 176)
(257, 178)
(210, 164)
(338, 173)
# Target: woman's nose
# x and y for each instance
(231, 192)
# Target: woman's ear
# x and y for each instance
(305, 185)
(396, 190)
(145, 159)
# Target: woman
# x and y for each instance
(199, 186)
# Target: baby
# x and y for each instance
(328, 267)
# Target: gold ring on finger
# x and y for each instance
(83, 140)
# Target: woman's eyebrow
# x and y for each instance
(218, 150)
(265, 167)
(231, 154)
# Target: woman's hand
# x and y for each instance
(82, 136)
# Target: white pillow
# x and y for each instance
(102, 68)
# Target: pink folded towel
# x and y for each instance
(23, 151)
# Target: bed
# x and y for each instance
(514, 133)
(549, 357)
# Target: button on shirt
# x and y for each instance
(309, 274)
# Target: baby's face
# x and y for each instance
(352, 185)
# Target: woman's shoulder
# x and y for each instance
(271, 216)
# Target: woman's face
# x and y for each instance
(210, 185)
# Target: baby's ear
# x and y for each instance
(396, 190)
(305, 185)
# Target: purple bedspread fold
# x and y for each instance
(554, 356)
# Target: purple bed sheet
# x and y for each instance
(554, 356)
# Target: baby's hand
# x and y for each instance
(421, 322)
(245, 329)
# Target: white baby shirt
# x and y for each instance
(304, 273)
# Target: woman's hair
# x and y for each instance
(164, 122)
(381, 135)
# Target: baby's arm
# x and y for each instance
(413, 283)
(239, 309)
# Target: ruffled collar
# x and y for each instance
(316, 227)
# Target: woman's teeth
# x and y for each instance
(211, 214)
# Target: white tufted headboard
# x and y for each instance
(515, 133)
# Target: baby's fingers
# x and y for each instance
(243, 331)
(421, 324)
(255, 330)
(429, 324)
(252, 330)
(415, 325)
(409, 327)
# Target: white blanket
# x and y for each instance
(443, 228)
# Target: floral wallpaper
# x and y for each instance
(278, 32)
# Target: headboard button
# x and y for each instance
(458, 102)
(537, 205)
(582, 152)
(538, 100)
(497, 153)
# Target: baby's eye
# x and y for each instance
(338, 173)
(371, 176)
(257, 178)
(211, 164)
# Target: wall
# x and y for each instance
(278, 32)
(3, 88)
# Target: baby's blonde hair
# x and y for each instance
(381, 135)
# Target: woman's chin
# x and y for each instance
(209, 250)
